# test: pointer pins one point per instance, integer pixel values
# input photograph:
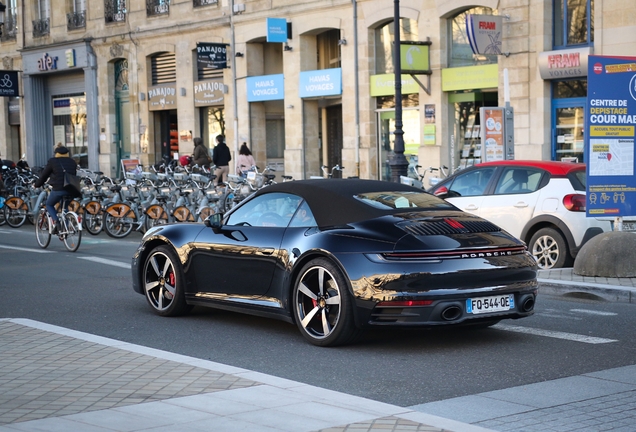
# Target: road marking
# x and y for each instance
(553, 334)
(26, 249)
(107, 261)
(593, 312)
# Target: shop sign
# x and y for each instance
(211, 55)
(470, 77)
(384, 85)
(9, 83)
(162, 98)
(277, 30)
(209, 93)
(415, 57)
(568, 63)
(325, 82)
(611, 122)
(492, 134)
(265, 88)
(69, 106)
(55, 59)
(484, 33)
(14, 112)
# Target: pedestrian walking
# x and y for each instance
(221, 158)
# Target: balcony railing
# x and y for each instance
(76, 20)
(10, 27)
(198, 3)
(41, 27)
(157, 7)
(115, 10)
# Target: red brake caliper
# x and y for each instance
(171, 278)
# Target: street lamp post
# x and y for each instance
(398, 162)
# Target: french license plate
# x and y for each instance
(629, 226)
(490, 304)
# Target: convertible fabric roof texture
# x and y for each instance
(332, 200)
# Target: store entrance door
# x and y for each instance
(568, 126)
(334, 138)
(166, 134)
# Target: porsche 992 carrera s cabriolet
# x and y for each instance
(339, 256)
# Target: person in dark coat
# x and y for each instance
(201, 155)
(221, 157)
(54, 173)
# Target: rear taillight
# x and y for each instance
(441, 191)
(574, 202)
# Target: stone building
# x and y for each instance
(305, 84)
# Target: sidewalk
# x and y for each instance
(56, 379)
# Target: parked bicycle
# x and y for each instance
(69, 227)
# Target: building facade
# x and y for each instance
(305, 84)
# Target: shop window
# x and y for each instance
(573, 23)
(328, 49)
(164, 68)
(157, 7)
(460, 53)
(569, 89)
(384, 43)
(275, 137)
(212, 120)
(69, 125)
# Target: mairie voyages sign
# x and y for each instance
(609, 138)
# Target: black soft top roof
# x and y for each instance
(332, 200)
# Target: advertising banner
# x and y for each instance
(9, 83)
(265, 88)
(211, 55)
(324, 82)
(484, 33)
(609, 138)
(492, 134)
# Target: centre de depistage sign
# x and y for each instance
(609, 141)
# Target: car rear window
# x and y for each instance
(403, 199)
(577, 178)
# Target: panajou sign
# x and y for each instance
(162, 98)
(209, 93)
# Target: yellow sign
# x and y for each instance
(414, 58)
(470, 77)
(384, 85)
(627, 131)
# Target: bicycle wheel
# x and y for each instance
(15, 212)
(93, 219)
(73, 235)
(117, 227)
(42, 232)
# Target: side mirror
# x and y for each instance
(215, 222)
(441, 192)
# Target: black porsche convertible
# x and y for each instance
(336, 256)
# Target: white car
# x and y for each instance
(539, 202)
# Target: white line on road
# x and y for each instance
(107, 261)
(593, 312)
(26, 249)
(553, 334)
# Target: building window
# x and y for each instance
(41, 25)
(164, 68)
(460, 53)
(573, 23)
(384, 43)
(10, 27)
(115, 10)
(76, 18)
(328, 49)
(157, 7)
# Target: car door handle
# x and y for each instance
(471, 207)
(521, 204)
(265, 251)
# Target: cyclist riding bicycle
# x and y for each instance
(54, 173)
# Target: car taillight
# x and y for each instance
(574, 202)
(441, 191)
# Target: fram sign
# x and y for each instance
(564, 63)
(484, 33)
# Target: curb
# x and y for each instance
(611, 293)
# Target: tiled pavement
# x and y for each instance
(56, 379)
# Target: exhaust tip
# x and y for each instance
(452, 313)
(527, 304)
